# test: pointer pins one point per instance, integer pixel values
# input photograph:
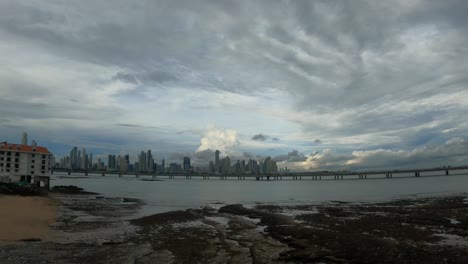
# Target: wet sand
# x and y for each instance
(24, 218)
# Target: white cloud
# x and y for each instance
(218, 139)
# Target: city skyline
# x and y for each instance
(315, 85)
(146, 163)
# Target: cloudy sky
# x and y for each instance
(314, 84)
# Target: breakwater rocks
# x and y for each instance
(23, 190)
(420, 230)
(69, 189)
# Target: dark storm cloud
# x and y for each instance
(260, 137)
(263, 137)
(293, 156)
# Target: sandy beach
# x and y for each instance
(26, 217)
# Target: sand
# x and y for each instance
(26, 217)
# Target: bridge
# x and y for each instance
(318, 175)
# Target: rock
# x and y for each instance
(70, 189)
(160, 256)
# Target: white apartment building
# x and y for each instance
(24, 163)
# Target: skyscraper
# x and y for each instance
(142, 161)
(186, 164)
(24, 139)
(149, 161)
(111, 162)
(217, 164)
(226, 165)
(78, 159)
(211, 167)
(84, 162)
(74, 158)
(90, 164)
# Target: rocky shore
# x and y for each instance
(96, 229)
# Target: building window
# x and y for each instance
(8, 165)
(32, 172)
(16, 170)
(33, 155)
(43, 156)
(2, 152)
(43, 167)
(17, 160)
(7, 170)
(17, 154)
(8, 159)
(32, 166)
(43, 172)
(8, 153)
(16, 166)
(1, 164)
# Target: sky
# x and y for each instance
(316, 85)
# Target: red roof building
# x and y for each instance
(25, 163)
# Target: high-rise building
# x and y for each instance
(269, 166)
(24, 139)
(238, 167)
(111, 162)
(186, 164)
(100, 164)
(74, 158)
(149, 162)
(211, 168)
(142, 161)
(84, 159)
(217, 164)
(90, 164)
(226, 165)
(122, 165)
(78, 165)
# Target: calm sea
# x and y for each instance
(175, 194)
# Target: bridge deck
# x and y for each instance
(337, 175)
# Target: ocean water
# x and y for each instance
(178, 194)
